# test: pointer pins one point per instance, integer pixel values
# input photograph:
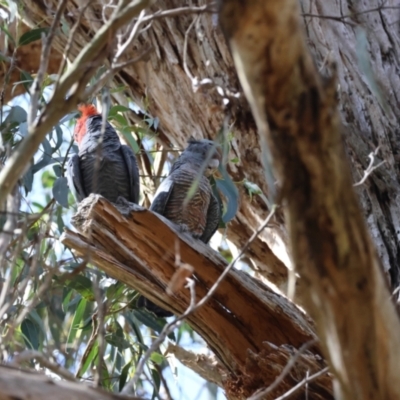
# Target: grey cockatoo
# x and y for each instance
(110, 170)
(199, 214)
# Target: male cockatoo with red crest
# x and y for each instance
(110, 170)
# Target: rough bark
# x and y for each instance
(23, 385)
(296, 112)
(368, 86)
(139, 248)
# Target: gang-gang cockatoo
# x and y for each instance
(198, 214)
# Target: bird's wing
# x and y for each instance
(74, 178)
(154, 308)
(213, 217)
(162, 196)
(133, 172)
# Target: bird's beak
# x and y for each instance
(212, 167)
(213, 164)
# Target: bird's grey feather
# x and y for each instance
(213, 217)
(107, 167)
(133, 172)
(162, 196)
(74, 178)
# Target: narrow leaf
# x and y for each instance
(60, 191)
(31, 36)
(75, 326)
(124, 375)
(31, 333)
(230, 191)
(83, 286)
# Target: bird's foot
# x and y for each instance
(183, 228)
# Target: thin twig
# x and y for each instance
(101, 306)
(302, 383)
(4, 307)
(164, 382)
(131, 37)
(44, 361)
(44, 62)
(288, 367)
(371, 167)
(185, 44)
(68, 46)
(211, 7)
(112, 71)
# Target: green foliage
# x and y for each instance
(32, 36)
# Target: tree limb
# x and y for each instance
(207, 367)
(17, 384)
(137, 247)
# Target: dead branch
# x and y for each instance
(136, 246)
(17, 384)
(45, 361)
(296, 111)
(206, 366)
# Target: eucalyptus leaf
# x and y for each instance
(31, 333)
(59, 141)
(26, 79)
(150, 320)
(230, 191)
(118, 108)
(130, 139)
(86, 361)
(4, 29)
(32, 36)
(28, 180)
(82, 285)
(76, 322)
(57, 170)
(61, 190)
(124, 375)
(17, 114)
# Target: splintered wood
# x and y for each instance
(137, 247)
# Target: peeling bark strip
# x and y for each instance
(137, 247)
(332, 251)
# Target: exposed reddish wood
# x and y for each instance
(137, 247)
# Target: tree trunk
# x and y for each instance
(365, 46)
(296, 112)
